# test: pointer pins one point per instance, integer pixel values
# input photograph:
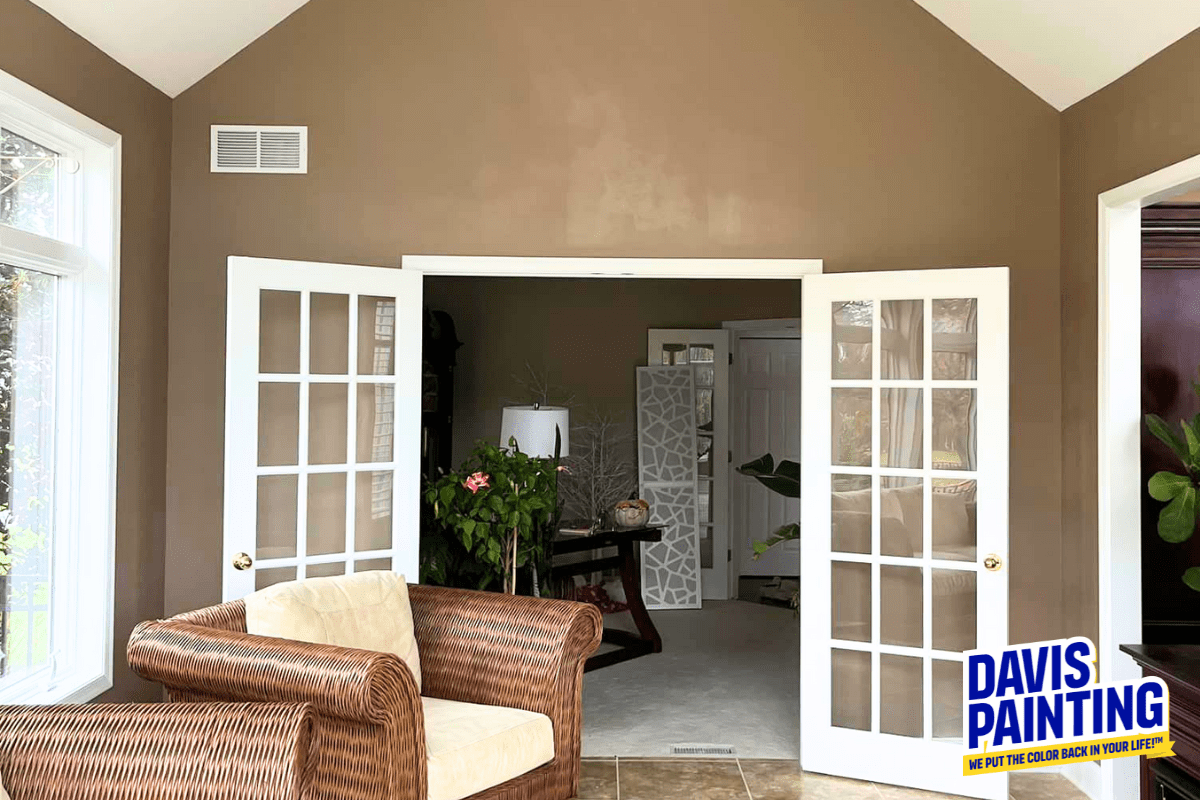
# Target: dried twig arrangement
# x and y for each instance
(538, 389)
(601, 469)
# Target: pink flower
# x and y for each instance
(476, 482)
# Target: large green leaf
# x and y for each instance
(1177, 521)
(759, 466)
(1193, 441)
(1165, 434)
(1192, 578)
(1165, 486)
(783, 479)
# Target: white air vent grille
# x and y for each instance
(259, 148)
(703, 750)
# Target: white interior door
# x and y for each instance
(322, 421)
(707, 352)
(765, 419)
(904, 496)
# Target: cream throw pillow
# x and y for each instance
(366, 610)
(3, 794)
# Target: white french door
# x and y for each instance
(904, 513)
(322, 421)
(706, 351)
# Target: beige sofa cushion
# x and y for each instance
(472, 747)
(366, 610)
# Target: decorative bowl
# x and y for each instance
(631, 513)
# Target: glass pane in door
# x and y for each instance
(851, 689)
(276, 524)
(955, 339)
(373, 511)
(327, 423)
(902, 688)
(852, 427)
(376, 404)
(901, 428)
(901, 339)
(852, 335)
(376, 335)
(279, 332)
(326, 513)
(954, 434)
(329, 329)
(278, 424)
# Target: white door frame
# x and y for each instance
(550, 267)
(785, 328)
(1119, 420)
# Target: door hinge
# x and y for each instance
(731, 359)
(729, 460)
(729, 555)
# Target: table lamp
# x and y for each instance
(534, 429)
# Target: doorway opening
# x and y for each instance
(578, 343)
(1119, 408)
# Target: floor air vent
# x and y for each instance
(702, 750)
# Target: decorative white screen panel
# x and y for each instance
(667, 481)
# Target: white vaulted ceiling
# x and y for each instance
(171, 43)
(1063, 50)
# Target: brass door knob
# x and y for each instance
(242, 562)
(992, 563)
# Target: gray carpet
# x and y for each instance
(728, 674)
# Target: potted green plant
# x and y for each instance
(498, 507)
(782, 478)
(1177, 519)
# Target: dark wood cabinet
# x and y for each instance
(438, 348)
(1176, 778)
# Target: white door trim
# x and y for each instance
(1119, 428)
(550, 267)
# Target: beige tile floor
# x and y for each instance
(765, 779)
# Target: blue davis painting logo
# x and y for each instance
(1036, 705)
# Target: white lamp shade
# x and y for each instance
(533, 427)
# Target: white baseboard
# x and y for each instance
(1085, 775)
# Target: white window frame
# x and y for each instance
(83, 544)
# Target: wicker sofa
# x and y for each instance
(475, 647)
(235, 751)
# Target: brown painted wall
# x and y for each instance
(585, 336)
(1146, 120)
(42, 52)
(864, 133)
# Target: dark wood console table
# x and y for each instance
(1175, 778)
(647, 640)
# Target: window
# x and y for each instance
(59, 175)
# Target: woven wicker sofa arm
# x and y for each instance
(497, 649)
(357, 685)
(237, 751)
